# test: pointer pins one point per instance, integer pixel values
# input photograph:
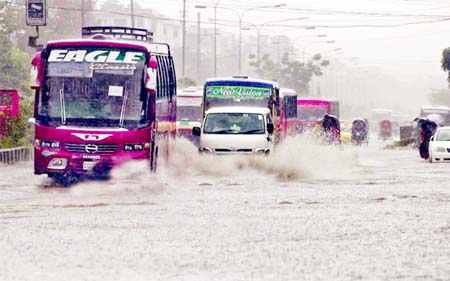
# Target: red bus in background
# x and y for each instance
(309, 111)
(288, 112)
(101, 101)
(9, 108)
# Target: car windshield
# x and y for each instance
(443, 135)
(234, 123)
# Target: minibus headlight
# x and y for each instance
(204, 149)
(262, 151)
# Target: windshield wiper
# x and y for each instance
(254, 131)
(226, 131)
(63, 105)
(124, 104)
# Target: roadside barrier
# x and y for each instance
(14, 155)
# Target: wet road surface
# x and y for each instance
(304, 213)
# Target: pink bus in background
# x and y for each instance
(9, 108)
(101, 101)
(309, 111)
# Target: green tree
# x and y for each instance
(290, 73)
(445, 63)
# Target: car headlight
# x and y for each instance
(205, 150)
(440, 149)
(262, 151)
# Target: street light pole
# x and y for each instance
(198, 46)
(132, 12)
(184, 39)
(215, 36)
(241, 16)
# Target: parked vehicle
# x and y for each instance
(439, 146)
(236, 130)
(102, 101)
(360, 131)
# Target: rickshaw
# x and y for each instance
(385, 129)
(360, 131)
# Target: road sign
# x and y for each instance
(36, 12)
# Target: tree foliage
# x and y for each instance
(445, 62)
(290, 73)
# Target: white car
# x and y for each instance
(236, 130)
(439, 148)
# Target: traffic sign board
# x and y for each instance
(36, 12)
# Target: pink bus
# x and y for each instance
(9, 108)
(101, 101)
(309, 111)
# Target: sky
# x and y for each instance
(400, 38)
(413, 49)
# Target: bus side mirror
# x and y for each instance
(432, 138)
(196, 131)
(150, 84)
(36, 72)
(31, 121)
(270, 128)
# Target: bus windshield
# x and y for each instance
(234, 123)
(94, 87)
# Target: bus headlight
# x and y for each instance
(57, 163)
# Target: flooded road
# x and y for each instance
(304, 213)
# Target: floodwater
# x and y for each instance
(306, 212)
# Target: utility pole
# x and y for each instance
(198, 46)
(215, 37)
(132, 13)
(83, 12)
(184, 39)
